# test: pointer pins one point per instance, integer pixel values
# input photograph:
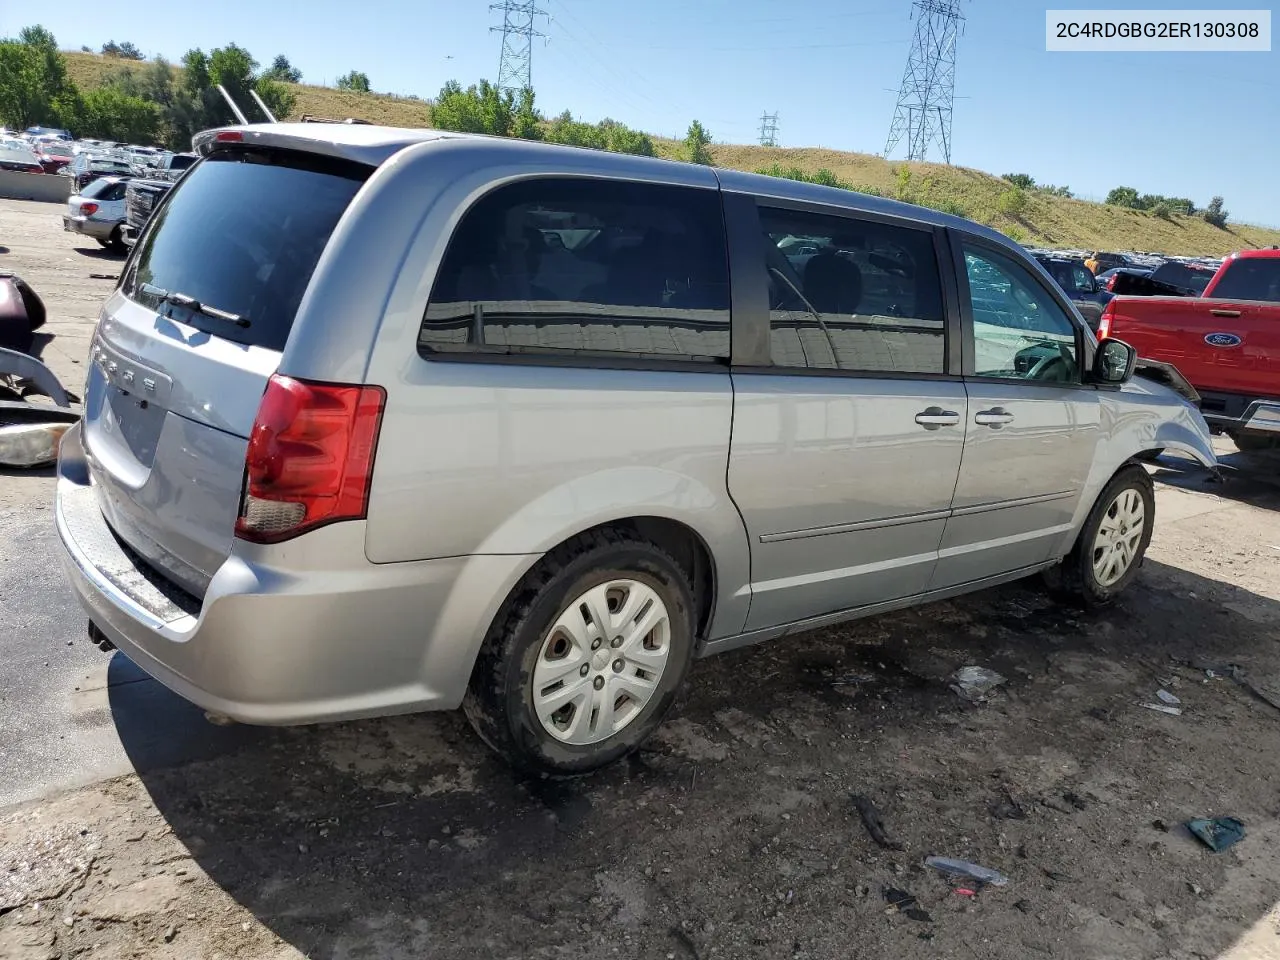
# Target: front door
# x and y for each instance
(846, 446)
(1033, 425)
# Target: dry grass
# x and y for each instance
(1048, 220)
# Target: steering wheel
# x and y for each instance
(1047, 363)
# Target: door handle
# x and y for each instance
(933, 418)
(994, 418)
(1225, 313)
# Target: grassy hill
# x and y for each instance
(1046, 219)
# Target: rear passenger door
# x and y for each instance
(1033, 424)
(849, 418)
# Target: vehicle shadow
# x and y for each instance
(100, 253)
(1252, 478)
(733, 828)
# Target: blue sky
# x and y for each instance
(1178, 124)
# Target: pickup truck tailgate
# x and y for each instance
(1228, 346)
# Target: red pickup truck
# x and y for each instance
(1225, 343)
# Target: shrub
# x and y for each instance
(1023, 181)
(696, 142)
(1163, 210)
(1214, 213)
(1013, 202)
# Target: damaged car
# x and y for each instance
(381, 421)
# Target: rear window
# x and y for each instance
(242, 234)
(94, 190)
(181, 162)
(1251, 279)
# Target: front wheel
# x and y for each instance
(1112, 543)
(586, 657)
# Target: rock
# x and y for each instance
(142, 899)
(170, 934)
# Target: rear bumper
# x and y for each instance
(98, 229)
(323, 640)
(1234, 414)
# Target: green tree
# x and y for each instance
(109, 114)
(34, 88)
(696, 142)
(283, 71)
(1214, 213)
(481, 108)
(622, 139)
(129, 52)
(525, 122)
(1123, 197)
(1023, 180)
(355, 81)
(111, 49)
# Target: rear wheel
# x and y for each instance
(586, 657)
(1112, 543)
(116, 244)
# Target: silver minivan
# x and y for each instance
(387, 420)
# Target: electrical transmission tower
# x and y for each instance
(925, 99)
(515, 70)
(769, 130)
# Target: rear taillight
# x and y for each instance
(1104, 325)
(310, 458)
(88, 209)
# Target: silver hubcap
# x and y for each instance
(601, 662)
(1116, 545)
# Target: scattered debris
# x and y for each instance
(852, 679)
(1057, 876)
(1077, 801)
(1023, 906)
(1008, 808)
(1219, 833)
(1167, 697)
(1160, 825)
(974, 683)
(966, 892)
(872, 820)
(905, 903)
(963, 868)
(1162, 708)
(104, 276)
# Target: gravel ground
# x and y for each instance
(734, 834)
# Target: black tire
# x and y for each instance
(1074, 578)
(104, 244)
(1254, 442)
(499, 700)
(116, 244)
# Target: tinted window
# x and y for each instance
(242, 233)
(1019, 331)
(567, 265)
(1251, 279)
(848, 294)
(180, 162)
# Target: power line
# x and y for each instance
(927, 94)
(515, 69)
(769, 129)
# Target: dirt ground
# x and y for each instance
(734, 833)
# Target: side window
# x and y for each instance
(1083, 279)
(1019, 331)
(585, 266)
(849, 294)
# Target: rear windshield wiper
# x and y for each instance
(194, 305)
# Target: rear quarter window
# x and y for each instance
(242, 233)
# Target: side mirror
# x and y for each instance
(1114, 362)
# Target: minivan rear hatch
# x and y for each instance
(185, 346)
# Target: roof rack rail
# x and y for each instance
(308, 118)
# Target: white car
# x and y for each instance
(98, 212)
